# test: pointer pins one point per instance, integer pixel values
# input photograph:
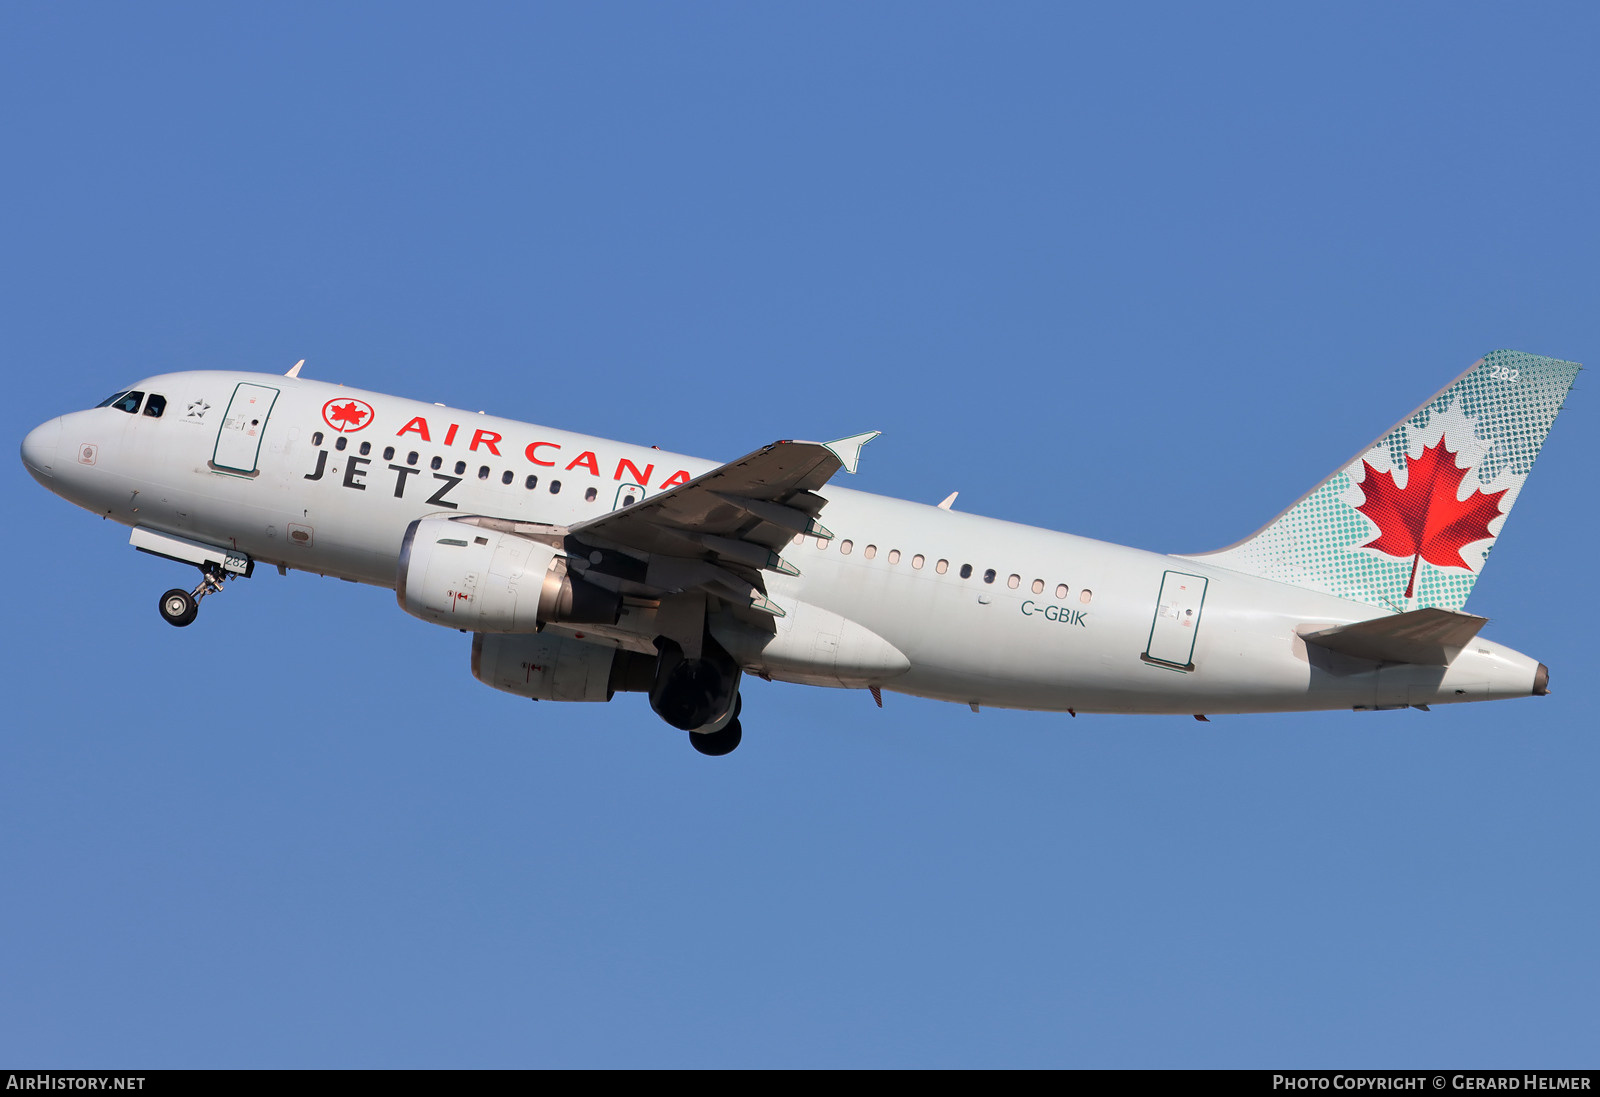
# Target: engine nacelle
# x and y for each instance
(544, 667)
(483, 580)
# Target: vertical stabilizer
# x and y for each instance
(1409, 522)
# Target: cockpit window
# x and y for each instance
(154, 406)
(127, 401)
(112, 399)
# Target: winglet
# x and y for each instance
(848, 450)
(949, 500)
(294, 370)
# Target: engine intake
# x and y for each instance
(483, 580)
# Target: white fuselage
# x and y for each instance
(973, 630)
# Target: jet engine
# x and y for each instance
(556, 668)
(485, 580)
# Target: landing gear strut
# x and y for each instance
(180, 607)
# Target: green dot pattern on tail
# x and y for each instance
(1494, 417)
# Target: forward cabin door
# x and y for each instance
(239, 439)
(1177, 620)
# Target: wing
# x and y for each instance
(720, 531)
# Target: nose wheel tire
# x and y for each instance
(717, 743)
(178, 607)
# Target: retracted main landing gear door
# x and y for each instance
(1177, 621)
(239, 440)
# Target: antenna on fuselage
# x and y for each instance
(294, 370)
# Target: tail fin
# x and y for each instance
(1408, 523)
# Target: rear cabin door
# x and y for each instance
(1177, 620)
(239, 439)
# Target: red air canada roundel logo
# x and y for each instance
(347, 416)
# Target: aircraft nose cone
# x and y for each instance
(39, 450)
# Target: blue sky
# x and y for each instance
(1142, 274)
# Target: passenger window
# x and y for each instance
(388, 451)
(628, 500)
(1038, 586)
(845, 546)
(822, 542)
(461, 468)
(966, 571)
(155, 405)
(437, 463)
(588, 496)
(1061, 590)
(340, 442)
(507, 476)
(411, 458)
(870, 551)
(988, 576)
(942, 566)
(129, 402)
(1014, 582)
(1085, 595)
(316, 439)
(483, 472)
(366, 448)
(555, 487)
(799, 538)
(894, 556)
(531, 482)
(918, 560)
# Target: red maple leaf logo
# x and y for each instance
(350, 413)
(1424, 520)
(346, 415)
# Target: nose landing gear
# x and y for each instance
(180, 607)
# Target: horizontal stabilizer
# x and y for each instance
(1426, 637)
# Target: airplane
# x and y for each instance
(584, 567)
